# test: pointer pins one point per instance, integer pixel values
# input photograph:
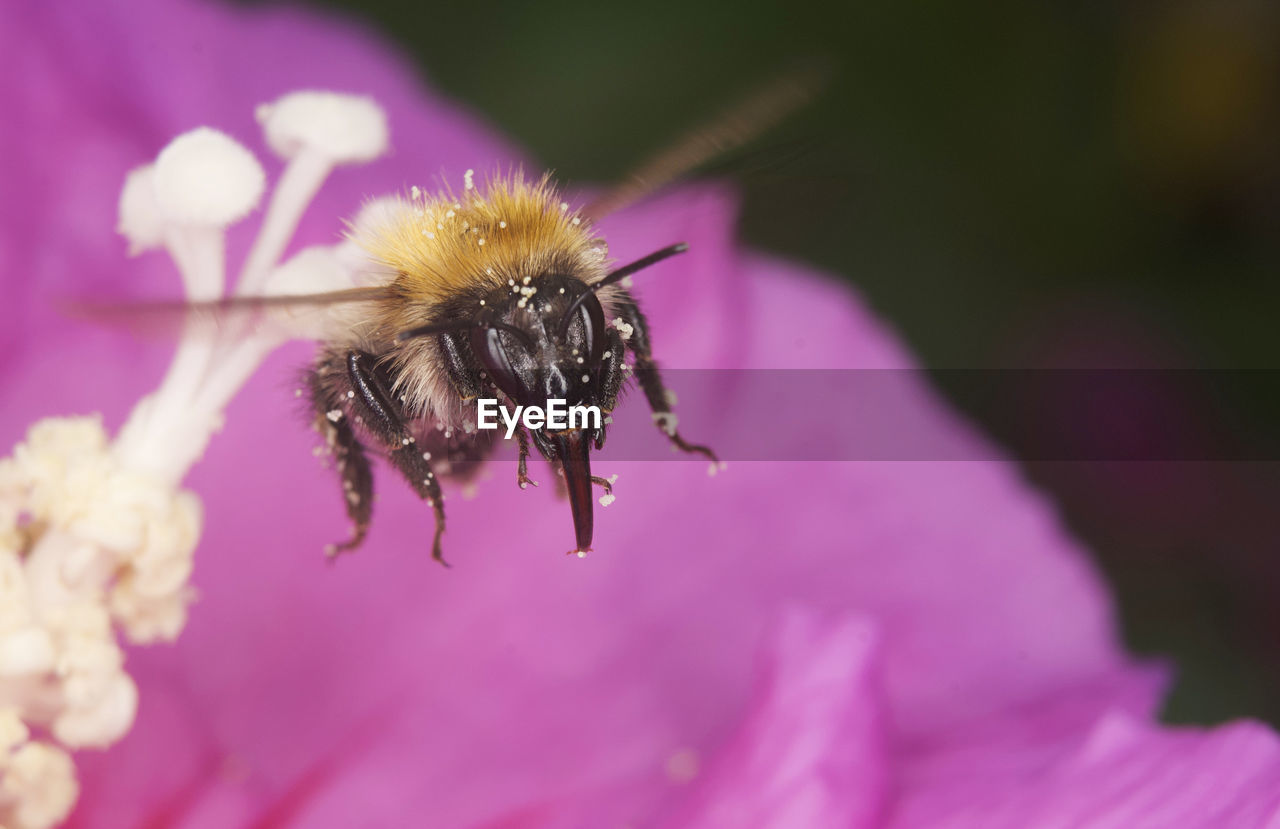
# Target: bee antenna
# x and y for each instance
(465, 325)
(617, 276)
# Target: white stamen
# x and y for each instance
(205, 177)
(313, 270)
(345, 128)
(140, 221)
(315, 131)
(108, 550)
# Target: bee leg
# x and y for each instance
(463, 368)
(650, 379)
(370, 396)
(522, 470)
(611, 374)
(332, 423)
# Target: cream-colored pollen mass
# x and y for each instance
(97, 535)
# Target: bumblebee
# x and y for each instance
(501, 291)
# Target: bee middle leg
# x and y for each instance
(370, 400)
(650, 379)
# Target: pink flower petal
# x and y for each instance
(1123, 773)
(812, 750)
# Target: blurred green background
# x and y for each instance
(1035, 184)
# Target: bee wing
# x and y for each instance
(167, 318)
(726, 132)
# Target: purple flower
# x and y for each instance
(787, 644)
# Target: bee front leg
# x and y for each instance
(650, 378)
(370, 399)
(333, 424)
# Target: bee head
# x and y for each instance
(542, 342)
(546, 341)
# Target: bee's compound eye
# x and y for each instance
(488, 345)
(592, 317)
